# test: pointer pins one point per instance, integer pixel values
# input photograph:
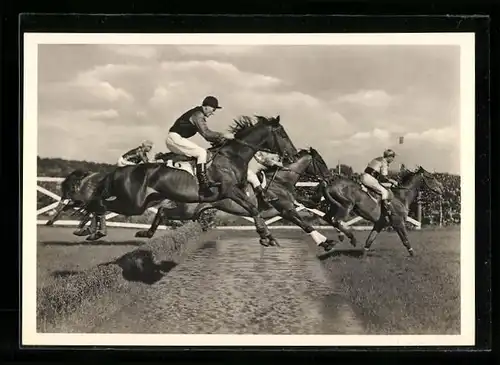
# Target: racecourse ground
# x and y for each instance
(230, 284)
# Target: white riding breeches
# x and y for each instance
(373, 183)
(253, 168)
(178, 144)
(122, 162)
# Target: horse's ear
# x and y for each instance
(278, 118)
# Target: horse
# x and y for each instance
(130, 190)
(281, 181)
(345, 195)
(76, 190)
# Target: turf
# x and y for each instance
(397, 294)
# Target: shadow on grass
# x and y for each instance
(346, 252)
(94, 243)
(139, 266)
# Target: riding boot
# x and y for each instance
(387, 207)
(203, 180)
(101, 224)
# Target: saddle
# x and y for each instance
(372, 193)
(177, 157)
(183, 162)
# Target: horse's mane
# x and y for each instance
(406, 175)
(244, 123)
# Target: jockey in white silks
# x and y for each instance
(375, 175)
(186, 126)
(261, 161)
(136, 155)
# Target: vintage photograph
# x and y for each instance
(260, 189)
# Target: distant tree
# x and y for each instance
(345, 170)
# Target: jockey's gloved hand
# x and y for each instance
(228, 136)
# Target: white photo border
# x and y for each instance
(466, 41)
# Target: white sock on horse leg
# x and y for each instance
(317, 237)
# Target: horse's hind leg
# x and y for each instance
(99, 230)
(60, 208)
(291, 215)
(403, 235)
(100, 227)
(81, 230)
(335, 216)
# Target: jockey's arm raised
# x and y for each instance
(198, 119)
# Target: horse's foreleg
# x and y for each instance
(403, 235)
(240, 198)
(154, 225)
(377, 227)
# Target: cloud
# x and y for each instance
(442, 136)
(79, 135)
(367, 98)
(139, 51)
(104, 114)
(89, 89)
(223, 72)
(115, 102)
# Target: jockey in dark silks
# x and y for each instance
(136, 155)
(188, 125)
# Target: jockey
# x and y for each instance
(136, 155)
(376, 173)
(261, 161)
(189, 124)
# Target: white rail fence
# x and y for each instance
(269, 222)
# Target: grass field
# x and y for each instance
(397, 294)
(390, 292)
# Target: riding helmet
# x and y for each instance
(211, 101)
(389, 153)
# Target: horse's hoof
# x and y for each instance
(341, 237)
(144, 234)
(328, 245)
(273, 242)
(82, 232)
(49, 223)
(354, 242)
(264, 242)
(411, 252)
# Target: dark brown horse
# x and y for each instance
(76, 190)
(280, 181)
(344, 195)
(130, 190)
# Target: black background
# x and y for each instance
(431, 17)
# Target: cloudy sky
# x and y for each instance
(96, 102)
